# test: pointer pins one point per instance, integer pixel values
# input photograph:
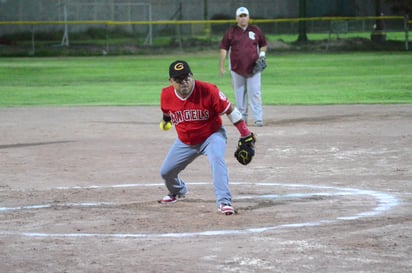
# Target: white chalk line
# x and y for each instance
(385, 202)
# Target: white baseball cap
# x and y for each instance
(242, 10)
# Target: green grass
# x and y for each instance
(347, 78)
(288, 38)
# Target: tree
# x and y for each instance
(302, 24)
(401, 6)
(378, 34)
(378, 12)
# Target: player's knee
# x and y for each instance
(163, 173)
(167, 173)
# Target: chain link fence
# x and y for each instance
(102, 27)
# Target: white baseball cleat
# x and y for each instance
(226, 209)
(171, 198)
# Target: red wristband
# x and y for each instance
(242, 127)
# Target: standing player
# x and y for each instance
(195, 109)
(245, 44)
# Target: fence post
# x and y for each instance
(33, 46)
(65, 39)
(105, 51)
(406, 27)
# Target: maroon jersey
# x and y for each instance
(243, 46)
(197, 116)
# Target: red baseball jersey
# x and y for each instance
(243, 46)
(197, 116)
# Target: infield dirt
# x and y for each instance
(329, 190)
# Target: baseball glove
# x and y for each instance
(245, 149)
(260, 65)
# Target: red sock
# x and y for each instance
(242, 127)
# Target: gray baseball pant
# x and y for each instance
(248, 90)
(181, 155)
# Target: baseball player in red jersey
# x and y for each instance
(195, 108)
(245, 44)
